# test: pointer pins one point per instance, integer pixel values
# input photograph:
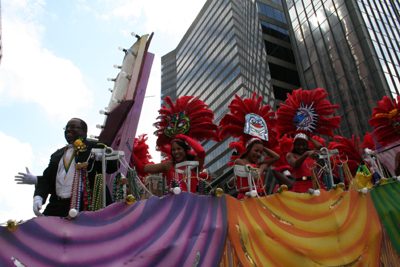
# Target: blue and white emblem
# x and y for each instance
(256, 126)
(305, 118)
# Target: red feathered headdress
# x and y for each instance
(285, 146)
(349, 148)
(306, 110)
(190, 116)
(141, 150)
(239, 147)
(368, 141)
(233, 124)
(386, 120)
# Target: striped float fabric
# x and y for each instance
(336, 228)
(177, 230)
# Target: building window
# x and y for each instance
(284, 74)
(281, 93)
(279, 52)
(275, 31)
(271, 12)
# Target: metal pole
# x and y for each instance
(103, 168)
(329, 164)
(188, 175)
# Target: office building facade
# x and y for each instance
(280, 62)
(351, 49)
(226, 51)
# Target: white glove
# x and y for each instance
(368, 151)
(37, 205)
(26, 178)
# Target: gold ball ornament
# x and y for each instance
(341, 186)
(130, 199)
(383, 180)
(284, 188)
(219, 192)
(12, 225)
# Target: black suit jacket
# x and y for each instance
(47, 183)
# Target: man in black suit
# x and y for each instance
(57, 179)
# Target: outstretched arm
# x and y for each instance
(152, 168)
(26, 178)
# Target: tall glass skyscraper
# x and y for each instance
(280, 62)
(223, 53)
(350, 48)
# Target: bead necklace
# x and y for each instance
(118, 189)
(86, 191)
(73, 192)
(97, 192)
(115, 185)
(202, 187)
(76, 191)
(133, 186)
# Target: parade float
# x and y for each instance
(348, 225)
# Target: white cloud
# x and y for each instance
(15, 200)
(28, 9)
(171, 17)
(128, 9)
(30, 73)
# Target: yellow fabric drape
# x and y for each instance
(289, 229)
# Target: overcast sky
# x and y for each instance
(57, 56)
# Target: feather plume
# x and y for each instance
(386, 120)
(368, 142)
(285, 146)
(317, 107)
(201, 120)
(233, 124)
(141, 150)
(348, 148)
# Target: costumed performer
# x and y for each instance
(203, 174)
(180, 147)
(301, 159)
(305, 112)
(251, 159)
(254, 125)
(68, 167)
(179, 128)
